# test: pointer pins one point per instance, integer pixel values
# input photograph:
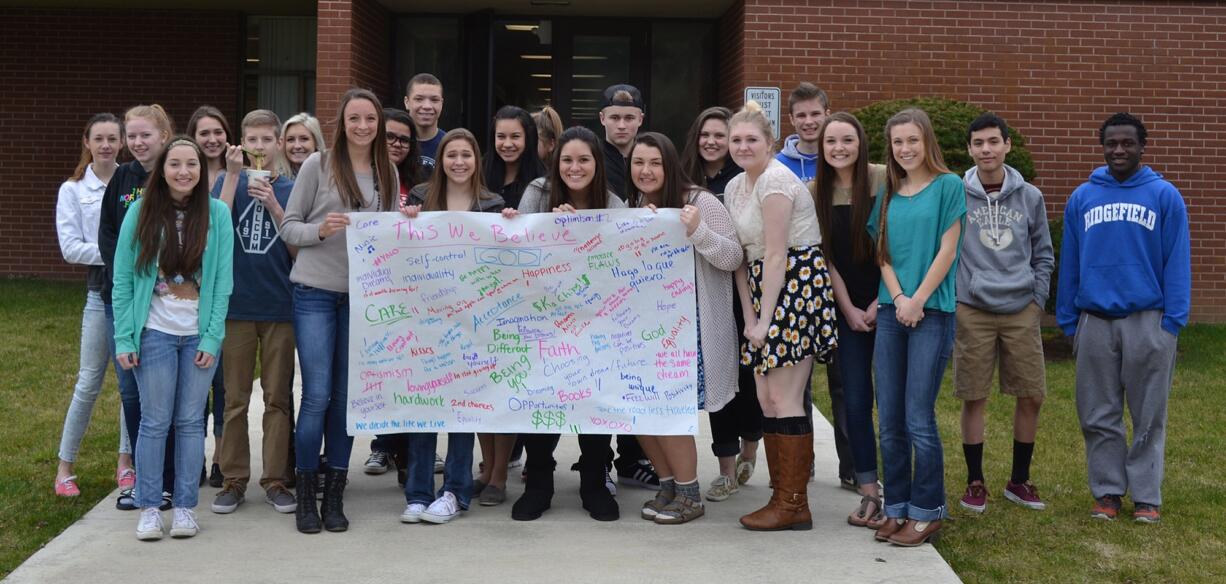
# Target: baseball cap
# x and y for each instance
(624, 95)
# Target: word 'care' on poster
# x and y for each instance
(563, 323)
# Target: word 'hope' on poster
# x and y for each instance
(549, 323)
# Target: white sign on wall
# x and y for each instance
(769, 99)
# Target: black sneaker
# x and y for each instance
(642, 474)
(167, 501)
(215, 478)
(376, 463)
(126, 500)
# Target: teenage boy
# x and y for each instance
(423, 98)
(1124, 294)
(260, 320)
(1003, 282)
(808, 107)
(621, 113)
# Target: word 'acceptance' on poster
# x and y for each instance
(544, 323)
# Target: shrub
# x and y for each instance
(1057, 238)
(950, 120)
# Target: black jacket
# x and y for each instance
(716, 184)
(615, 169)
(125, 188)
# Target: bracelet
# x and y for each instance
(896, 297)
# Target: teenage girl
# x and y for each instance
(548, 128)
(657, 181)
(355, 174)
(76, 223)
(301, 137)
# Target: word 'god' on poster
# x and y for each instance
(564, 323)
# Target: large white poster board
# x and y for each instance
(565, 323)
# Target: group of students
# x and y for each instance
(883, 272)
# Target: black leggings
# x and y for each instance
(741, 418)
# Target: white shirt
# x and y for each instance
(76, 218)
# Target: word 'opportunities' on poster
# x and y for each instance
(565, 323)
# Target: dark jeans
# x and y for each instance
(321, 332)
(129, 397)
(838, 413)
(855, 362)
(741, 418)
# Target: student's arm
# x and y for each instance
(777, 213)
(713, 236)
(122, 294)
(294, 228)
(225, 189)
(68, 228)
(855, 317)
(1176, 265)
(108, 221)
(1042, 258)
(221, 236)
(1067, 313)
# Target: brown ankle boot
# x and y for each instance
(789, 507)
(909, 535)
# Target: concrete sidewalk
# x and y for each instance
(257, 544)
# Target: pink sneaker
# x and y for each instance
(126, 478)
(1025, 494)
(67, 487)
(976, 498)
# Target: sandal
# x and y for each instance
(67, 487)
(861, 516)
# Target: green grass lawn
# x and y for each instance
(1062, 544)
(40, 332)
(39, 335)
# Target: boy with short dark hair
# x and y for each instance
(423, 98)
(1125, 291)
(622, 112)
(260, 320)
(1003, 282)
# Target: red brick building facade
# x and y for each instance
(1054, 69)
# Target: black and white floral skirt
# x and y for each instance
(804, 322)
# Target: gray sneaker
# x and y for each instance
(491, 496)
(230, 497)
(280, 498)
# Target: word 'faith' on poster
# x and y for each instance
(562, 323)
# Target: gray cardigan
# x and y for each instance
(536, 199)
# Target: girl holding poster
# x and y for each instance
(455, 185)
(576, 182)
(172, 289)
(658, 182)
(788, 303)
(356, 174)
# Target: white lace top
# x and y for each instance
(745, 206)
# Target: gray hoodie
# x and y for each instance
(1007, 258)
(804, 166)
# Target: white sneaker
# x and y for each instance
(610, 484)
(149, 528)
(442, 510)
(184, 524)
(412, 513)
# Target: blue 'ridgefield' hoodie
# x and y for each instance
(804, 166)
(1126, 249)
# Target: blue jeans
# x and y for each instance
(457, 476)
(321, 332)
(910, 363)
(172, 388)
(855, 361)
(129, 398)
(95, 354)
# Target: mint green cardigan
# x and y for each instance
(133, 290)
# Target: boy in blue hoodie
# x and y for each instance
(1004, 278)
(1124, 294)
(808, 107)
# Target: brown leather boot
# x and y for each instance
(789, 507)
(770, 443)
(909, 535)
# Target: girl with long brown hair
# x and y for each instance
(173, 266)
(355, 174)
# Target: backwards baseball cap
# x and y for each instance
(623, 95)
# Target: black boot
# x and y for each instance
(538, 494)
(333, 508)
(307, 514)
(596, 498)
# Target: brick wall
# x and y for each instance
(59, 67)
(354, 50)
(1053, 69)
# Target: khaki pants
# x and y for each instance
(275, 344)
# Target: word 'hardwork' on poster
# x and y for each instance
(562, 323)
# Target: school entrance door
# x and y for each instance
(487, 61)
